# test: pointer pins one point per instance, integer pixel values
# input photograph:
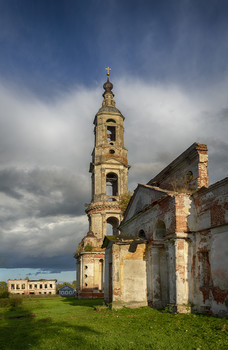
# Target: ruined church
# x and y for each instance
(170, 248)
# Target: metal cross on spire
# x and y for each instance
(108, 71)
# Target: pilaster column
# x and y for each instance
(156, 286)
(182, 289)
(172, 272)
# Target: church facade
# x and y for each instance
(109, 179)
(173, 247)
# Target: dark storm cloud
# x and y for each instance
(43, 192)
(44, 180)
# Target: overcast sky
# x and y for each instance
(169, 63)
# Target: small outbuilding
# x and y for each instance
(66, 291)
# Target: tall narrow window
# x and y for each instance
(112, 226)
(160, 230)
(111, 133)
(111, 184)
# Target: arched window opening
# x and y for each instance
(160, 230)
(112, 226)
(111, 133)
(110, 121)
(142, 234)
(111, 184)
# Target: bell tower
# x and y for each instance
(109, 178)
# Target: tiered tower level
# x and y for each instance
(109, 177)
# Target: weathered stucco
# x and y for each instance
(186, 233)
(125, 273)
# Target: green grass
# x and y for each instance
(68, 323)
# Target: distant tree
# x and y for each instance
(60, 285)
(26, 278)
(3, 290)
(3, 286)
(74, 284)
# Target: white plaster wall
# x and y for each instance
(135, 286)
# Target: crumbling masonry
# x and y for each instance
(171, 247)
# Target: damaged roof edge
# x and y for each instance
(191, 150)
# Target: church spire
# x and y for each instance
(108, 94)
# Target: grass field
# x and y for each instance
(68, 323)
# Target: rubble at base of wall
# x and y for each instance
(131, 305)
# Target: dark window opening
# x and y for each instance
(45, 286)
(111, 143)
(111, 199)
(12, 286)
(160, 230)
(112, 151)
(86, 267)
(110, 121)
(23, 286)
(142, 234)
(50, 285)
(111, 184)
(111, 133)
(112, 226)
(41, 286)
